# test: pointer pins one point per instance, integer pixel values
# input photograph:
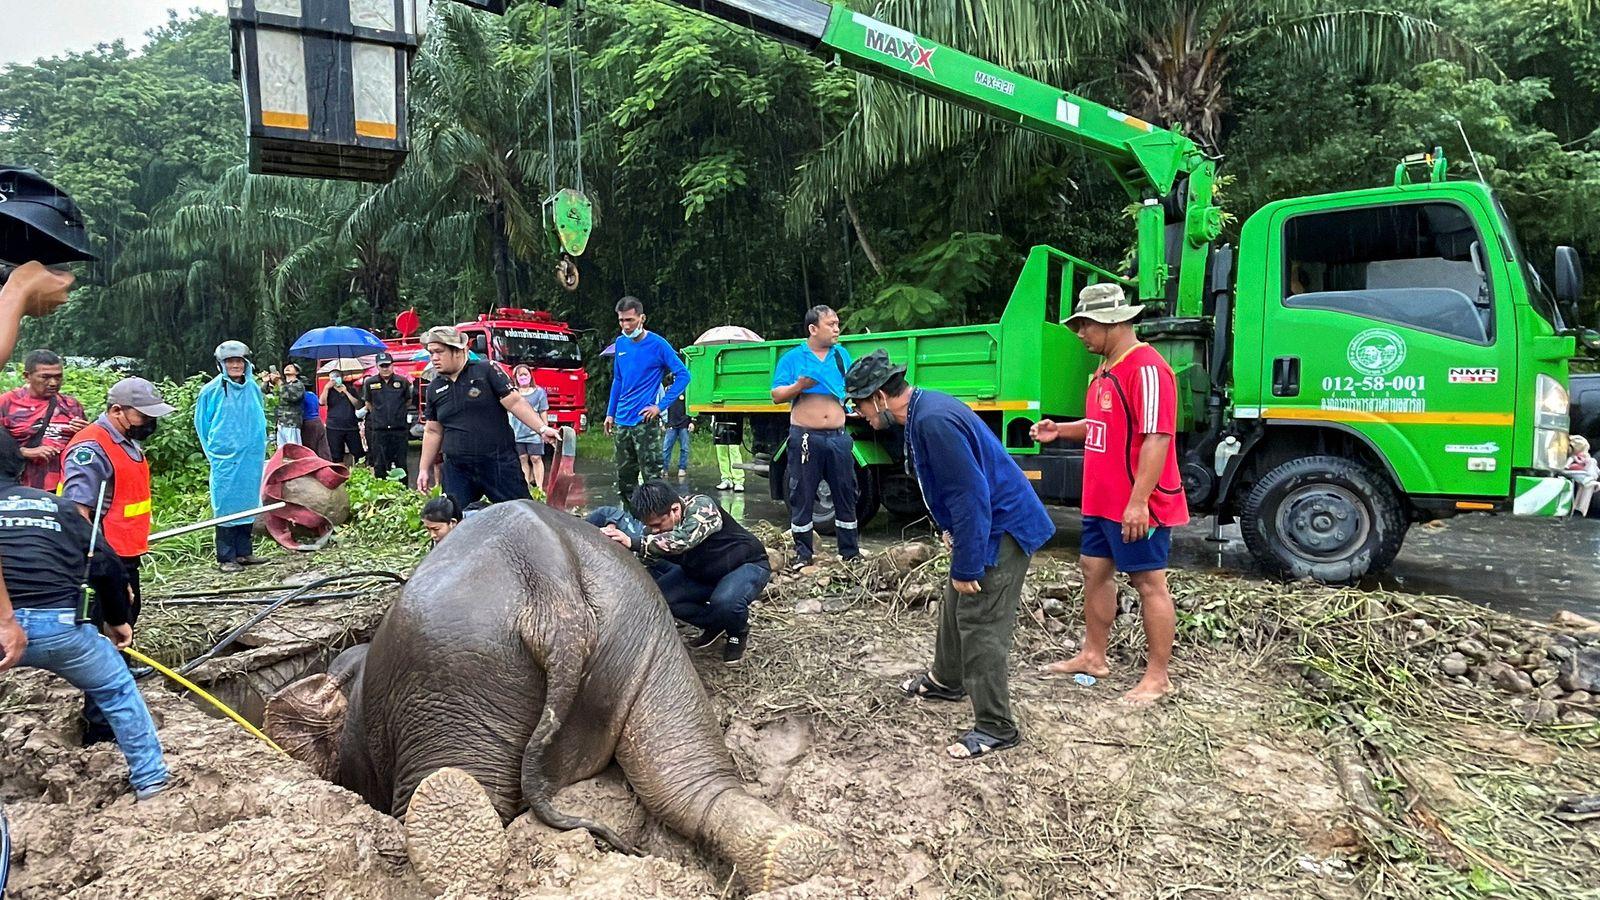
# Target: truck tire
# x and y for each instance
(1327, 518)
(869, 497)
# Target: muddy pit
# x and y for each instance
(1226, 790)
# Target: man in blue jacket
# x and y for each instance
(643, 361)
(993, 523)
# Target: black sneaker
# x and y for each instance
(707, 638)
(733, 650)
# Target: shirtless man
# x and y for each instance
(811, 379)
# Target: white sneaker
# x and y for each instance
(724, 485)
(738, 488)
(683, 473)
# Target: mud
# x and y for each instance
(1230, 788)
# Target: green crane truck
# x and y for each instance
(1363, 360)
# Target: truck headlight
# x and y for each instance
(1551, 422)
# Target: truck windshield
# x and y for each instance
(1539, 295)
(541, 349)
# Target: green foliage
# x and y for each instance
(942, 280)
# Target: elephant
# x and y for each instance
(529, 651)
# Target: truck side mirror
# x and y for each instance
(480, 344)
(1569, 275)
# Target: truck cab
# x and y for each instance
(1395, 359)
(534, 338)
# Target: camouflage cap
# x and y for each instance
(446, 335)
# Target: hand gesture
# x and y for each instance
(1136, 522)
(37, 288)
(77, 425)
(120, 635)
(1045, 431)
(650, 413)
(806, 382)
(965, 588)
(424, 480)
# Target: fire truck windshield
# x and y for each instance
(540, 349)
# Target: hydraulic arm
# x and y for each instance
(1150, 162)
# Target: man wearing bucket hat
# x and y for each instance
(466, 411)
(992, 521)
(1132, 492)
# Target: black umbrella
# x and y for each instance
(38, 221)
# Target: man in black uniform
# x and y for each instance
(44, 542)
(389, 396)
(466, 411)
(344, 410)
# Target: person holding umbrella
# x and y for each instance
(345, 409)
(231, 421)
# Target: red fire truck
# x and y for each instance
(513, 337)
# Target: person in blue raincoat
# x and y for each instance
(232, 424)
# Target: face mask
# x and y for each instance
(885, 419)
(142, 432)
(634, 334)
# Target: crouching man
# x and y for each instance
(44, 544)
(708, 566)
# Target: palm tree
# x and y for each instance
(1171, 60)
(476, 160)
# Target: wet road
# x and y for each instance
(1526, 567)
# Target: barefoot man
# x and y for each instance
(1132, 493)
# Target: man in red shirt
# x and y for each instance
(41, 418)
(1132, 491)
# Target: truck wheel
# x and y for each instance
(901, 495)
(1323, 517)
(868, 498)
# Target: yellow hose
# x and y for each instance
(245, 723)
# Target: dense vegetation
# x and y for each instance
(740, 181)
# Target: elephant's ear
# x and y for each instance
(306, 719)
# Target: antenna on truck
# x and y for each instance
(1463, 130)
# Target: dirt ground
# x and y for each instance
(1238, 786)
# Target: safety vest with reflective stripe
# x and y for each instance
(127, 523)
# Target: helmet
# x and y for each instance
(869, 374)
(231, 349)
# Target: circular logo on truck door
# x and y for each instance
(1376, 351)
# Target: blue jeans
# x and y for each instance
(680, 437)
(724, 606)
(90, 663)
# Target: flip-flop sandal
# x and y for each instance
(978, 743)
(922, 685)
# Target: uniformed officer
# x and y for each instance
(110, 452)
(390, 396)
(467, 402)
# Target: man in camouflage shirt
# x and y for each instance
(708, 566)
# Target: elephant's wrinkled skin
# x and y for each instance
(529, 651)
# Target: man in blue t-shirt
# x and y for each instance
(643, 361)
(811, 379)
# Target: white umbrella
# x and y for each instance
(344, 364)
(728, 334)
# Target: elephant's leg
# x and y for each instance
(674, 756)
(307, 719)
(558, 630)
(454, 836)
